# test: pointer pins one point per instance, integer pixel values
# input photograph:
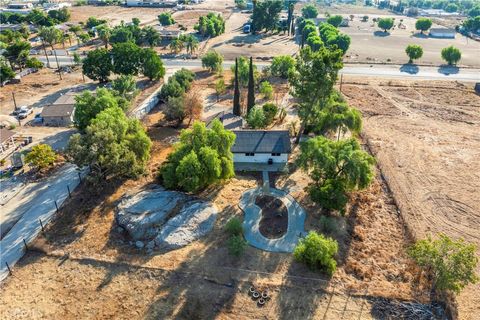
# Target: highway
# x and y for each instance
(374, 70)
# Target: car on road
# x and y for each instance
(24, 113)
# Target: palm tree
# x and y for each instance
(176, 45)
(75, 30)
(104, 33)
(191, 43)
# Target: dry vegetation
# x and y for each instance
(84, 267)
(425, 136)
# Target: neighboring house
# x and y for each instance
(151, 3)
(168, 34)
(261, 146)
(442, 33)
(6, 140)
(20, 8)
(228, 119)
(60, 113)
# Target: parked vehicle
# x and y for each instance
(24, 113)
(19, 110)
(247, 28)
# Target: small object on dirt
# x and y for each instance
(265, 294)
(261, 302)
(255, 295)
(251, 290)
(139, 244)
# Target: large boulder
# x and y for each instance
(195, 219)
(142, 213)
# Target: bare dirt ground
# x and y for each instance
(85, 267)
(425, 136)
(115, 14)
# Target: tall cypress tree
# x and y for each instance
(251, 88)
(289, 19)
(236, 93)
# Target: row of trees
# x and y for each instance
(451, 54)
(37, 17)
(211, 25)
(327, 35)
(124, 58)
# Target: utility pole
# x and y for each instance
(58, 65)
(14, 101)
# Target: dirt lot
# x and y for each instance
(425, 136)
(367, 38)
(84, 267)
(115, 14)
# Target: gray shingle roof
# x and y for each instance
(261, 141)
(61, 110)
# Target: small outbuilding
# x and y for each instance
(60, 113)
(443, 33)
(7, 140)
(228, 120)
(262, 147)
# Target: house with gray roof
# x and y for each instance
(60, 113)
(266, 147)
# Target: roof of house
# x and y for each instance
(67, 98)
(262, 141)
(61, 110)
(227, 118)
(442, 30)
(6, 134)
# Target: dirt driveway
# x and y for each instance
(426, 139)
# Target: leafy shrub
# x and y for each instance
(234, 227)
(309, 11)
(236, 245)
(42, 156)
(177, 84)
(166, 19)
(210, 25)
(256, 118)
(282, 66)
(317, 252)
(335, 20)
(212, 61)
(328, 224)
(266, 89)
(270, 110)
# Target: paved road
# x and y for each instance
(383, 71)
(41, 205)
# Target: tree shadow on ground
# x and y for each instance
(409, 68)
(421, 35)
(242, 39)
(381, 33)
(448, 69)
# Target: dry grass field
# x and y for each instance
(425, 136)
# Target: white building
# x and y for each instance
(442, 33)
(152, 3)
(261, 147)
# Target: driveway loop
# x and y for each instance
(253, 215)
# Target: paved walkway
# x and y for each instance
(40, 206)
(253, 215)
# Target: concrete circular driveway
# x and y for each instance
(253, 215)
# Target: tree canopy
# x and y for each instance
(282, 66)
(152, 66)
(309, 11)
(336, 168)
(423, 24)
(126, 58)
(413, 52)
(166, 19)
(452, 262)
(266, 15)
(211, 25)
(201, 158)
(113, 146)
(244, 70)
(317, 252)
(451, 54)
(335, 21)
(212, 61)
(98, 65)
(41, 156)
(385, 23)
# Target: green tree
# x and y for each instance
(451, 55)
(423, 24)
(88, 106)
(98, 65)
(191, 43)
(337, 117)
(244, 71)
(122, 34)
(150, 36)
(309, 11)
(175, 109)
(176, 45)
(166, 19)
(113, 146)
(312, 82)
(413, 52)
(104, 33)
(335, 21)
(237, 110)
(171, 89)
(77, 59)
(317, 252)
(152, 65)
(452, 262)
(94, 22)
(282, 66)
(220, 87)
(256, 118)
(266, 15)
(234, 227)
(126, 58)
(236, 245)
(6, 73)
(41, 156)
(17, 53)
(62, 15)
(270, 110)
(251, 87)
(50, 35)
(314, 41)
(266, 89)
(34, 63)
(451, 7)
(336, 168)
(211, 25)
(385, 24)
(125, 86)
(212, 61)
(201, 158)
